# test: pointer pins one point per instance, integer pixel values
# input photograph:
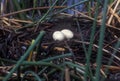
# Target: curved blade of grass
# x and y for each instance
(8, 60)
(38, 39)
(102, 32)
(81, 37)
(91, 44)
(64, 2)
(43, 70)
(83, 1)
(34, 74)
(34, 5)
(17, 7)
(42, 63)
(72, 65)
(56, 57)
(51, 71)
(45, 15)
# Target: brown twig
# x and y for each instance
(67, 74)
(114, 14)
(110, 26)
(112, 67)
(29, 9)
(96, 46)
(110, 19)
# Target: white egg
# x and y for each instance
(59, 36)
(67, 33)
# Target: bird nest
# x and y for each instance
(14, 43)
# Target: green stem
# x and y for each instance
(34, 74)
(25, 55)
(17, 7)
(102, 32)
(91, 44)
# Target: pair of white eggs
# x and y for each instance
(63, 34)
